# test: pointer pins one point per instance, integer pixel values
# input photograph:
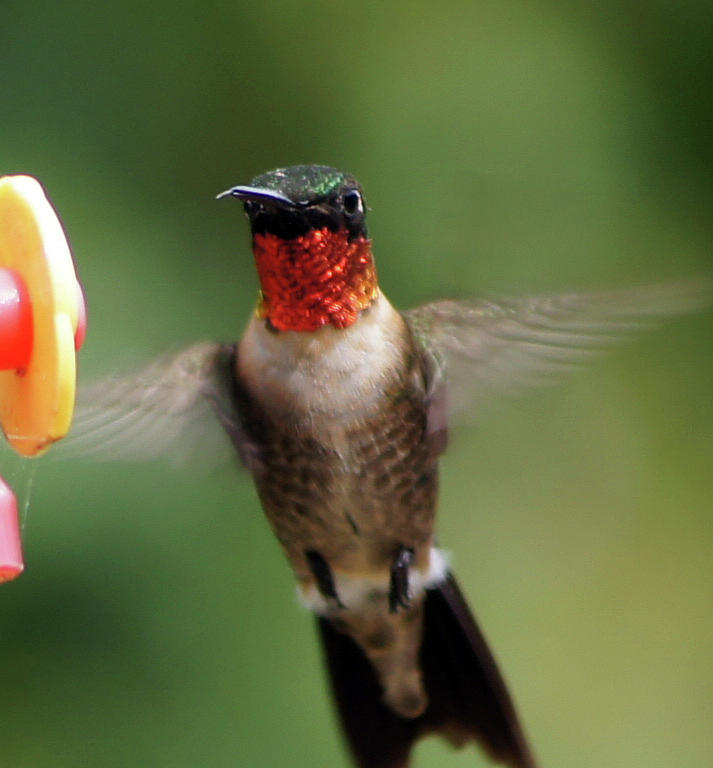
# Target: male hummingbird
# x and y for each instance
(338, 405)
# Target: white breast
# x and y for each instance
(315, 376)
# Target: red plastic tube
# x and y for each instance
(11, 562)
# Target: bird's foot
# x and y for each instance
(324, 578)
(399, 593)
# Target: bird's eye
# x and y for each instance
(352, 202)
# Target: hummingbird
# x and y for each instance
(339, 405)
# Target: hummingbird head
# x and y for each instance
(289, 202)
(310, 244)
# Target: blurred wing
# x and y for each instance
(174, 406)
(483, 350)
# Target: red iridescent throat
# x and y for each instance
(321, 277)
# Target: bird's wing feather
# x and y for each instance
(174, 406)
(484, 350)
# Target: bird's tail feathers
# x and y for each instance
(468, 698)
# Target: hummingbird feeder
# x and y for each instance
(43, 322)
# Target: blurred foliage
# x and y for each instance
(504, 147)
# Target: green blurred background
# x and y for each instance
(504, 147)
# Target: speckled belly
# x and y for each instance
(355, 498)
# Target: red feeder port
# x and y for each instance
(15, 321)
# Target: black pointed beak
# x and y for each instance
(258, 195)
